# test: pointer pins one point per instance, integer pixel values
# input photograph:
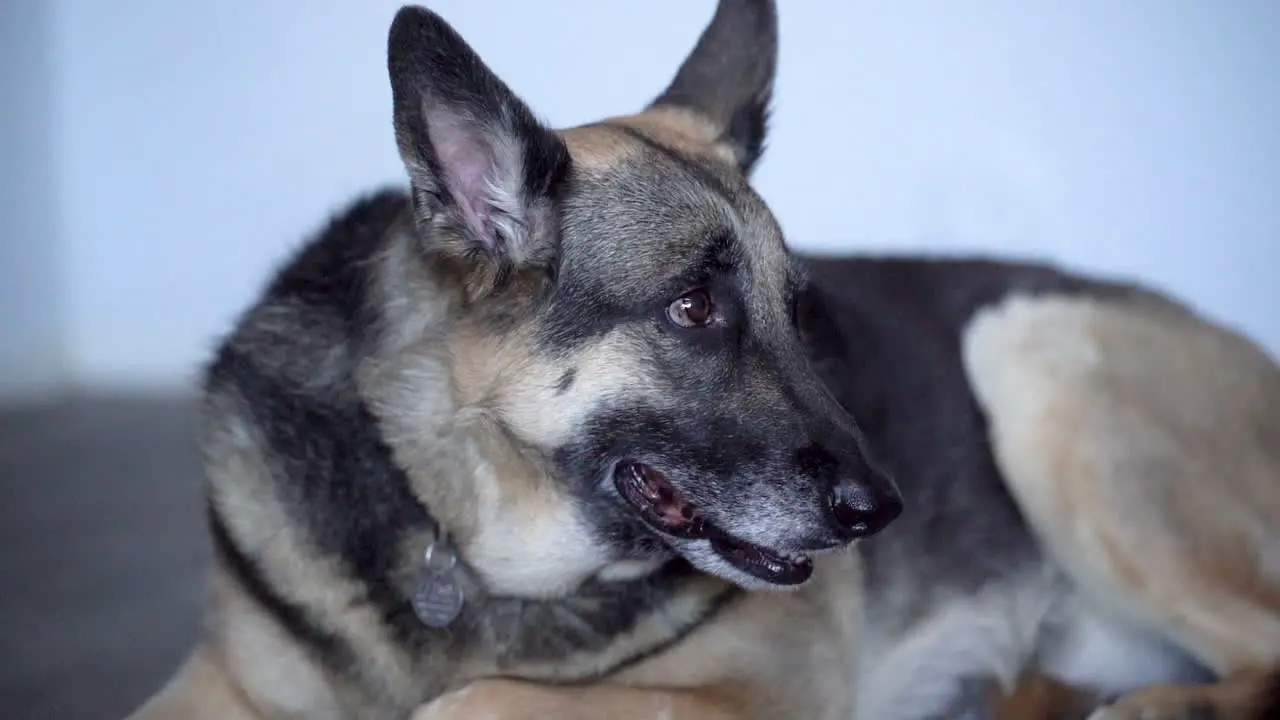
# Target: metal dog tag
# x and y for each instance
(438, 597)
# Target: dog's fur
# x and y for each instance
(1090, 472)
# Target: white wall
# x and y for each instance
(198, 141)
(31, 319)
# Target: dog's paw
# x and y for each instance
(521, 700)
(1165, 702)
(488, 699)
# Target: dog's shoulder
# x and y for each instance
(284, 433)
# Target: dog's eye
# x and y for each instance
(692, 310)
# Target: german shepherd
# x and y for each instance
(565, 430)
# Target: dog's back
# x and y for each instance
(950, 365)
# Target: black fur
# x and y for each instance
(337, 477)
(885, 336)
(609, 438)
(747, 129)
(328, 648)
(566, 380)
(741, 36)
(329, 272)
(1269, 707)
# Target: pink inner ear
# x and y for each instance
(465, 151)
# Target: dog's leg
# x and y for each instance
(201, 689)
(1144, 447)
(1247, 695)
(520, 700)
(1037, 697)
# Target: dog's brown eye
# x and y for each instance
(692, 310)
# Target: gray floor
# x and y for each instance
(104, 554)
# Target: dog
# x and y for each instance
(563, 428)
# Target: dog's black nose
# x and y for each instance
(861, 511)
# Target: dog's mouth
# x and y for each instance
(663, 508)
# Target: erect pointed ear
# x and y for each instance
(728, 78)
(484, 170)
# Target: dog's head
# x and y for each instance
(625, 309)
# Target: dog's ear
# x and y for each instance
(728, 78)
(484, 170)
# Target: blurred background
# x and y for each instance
(157, 159)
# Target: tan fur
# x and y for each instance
(1238, 696)
(1037, 697)
(247, 667)
(809, 635)
(261, 657)
(506, 389)
(595, 147)
(769, 655)
(518, 700)
(681, 130)
(503, 377)
(200, 690)
(603, 145)
(497, 492)
(718, 671)
(1144, 446)
(260, 660)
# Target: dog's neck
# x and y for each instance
(431, 382)
(590, 630)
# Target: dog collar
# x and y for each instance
(438, 596)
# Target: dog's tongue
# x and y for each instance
(759, 562)
(658, 501)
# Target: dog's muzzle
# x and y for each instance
(855, 511)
